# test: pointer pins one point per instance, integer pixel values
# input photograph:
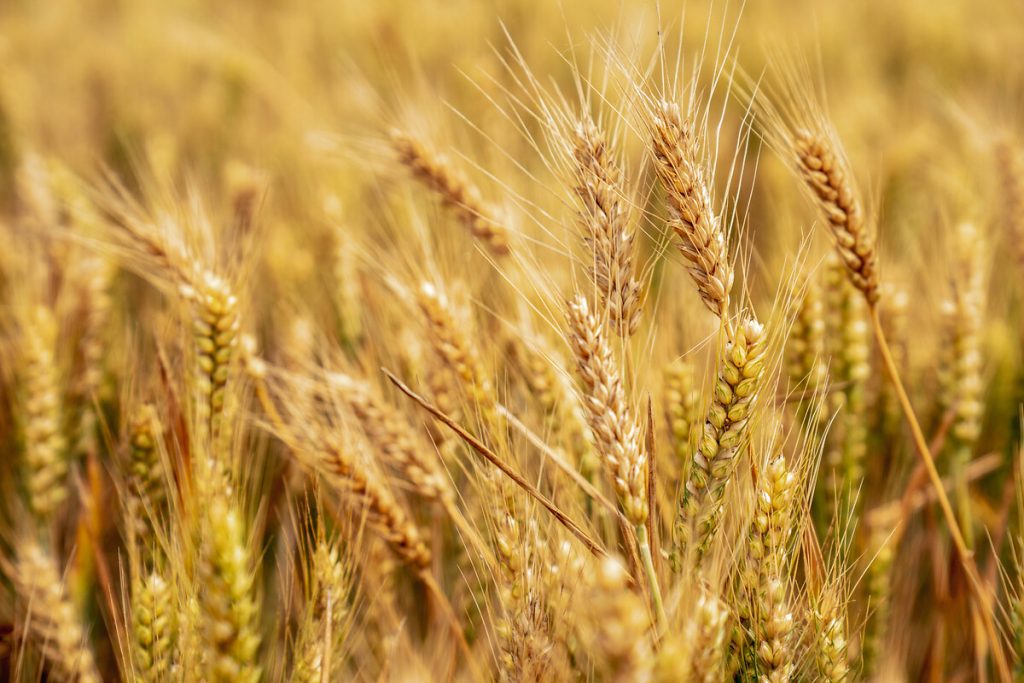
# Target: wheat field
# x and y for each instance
(511, 341)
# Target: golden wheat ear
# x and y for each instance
(684, 177)
(53, 622)
(824, 171)
(437, 173)
(605, 219)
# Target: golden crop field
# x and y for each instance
(452, 340)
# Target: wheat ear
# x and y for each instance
(604, 217)
(45, 457)
(153, 627)
(825, 173)
(228, 605)
(714, 458)
(682, 173)
(320, 647)
(54, 624)
(388, 430)
(768, 569)
(456, 192)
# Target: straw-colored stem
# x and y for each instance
(962, 549)
(644, 544)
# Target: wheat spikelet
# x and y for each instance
(554, 392)
(145, 465)
(438, 174)
(366, 497)
(767, 571)
(879, 590)
(93, 277)
(147, 483)
(806, 343)
(327, 618)
(153, 626)
(615, 626)
(852, 354)
(682, 410)
(388, 430)
(714, 458)
(452, 345)
(604, 216)
(960, 371)
(215, 326)
(45, 459)
(54, 625)
(347, 295)
(825, 173)
(616, 432)
(702, 240)
(227, 600)
(830, 644)
(707, 633)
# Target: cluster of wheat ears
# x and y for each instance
(609, 370)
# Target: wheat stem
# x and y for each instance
(963, 551)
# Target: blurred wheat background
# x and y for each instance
(518, 341)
